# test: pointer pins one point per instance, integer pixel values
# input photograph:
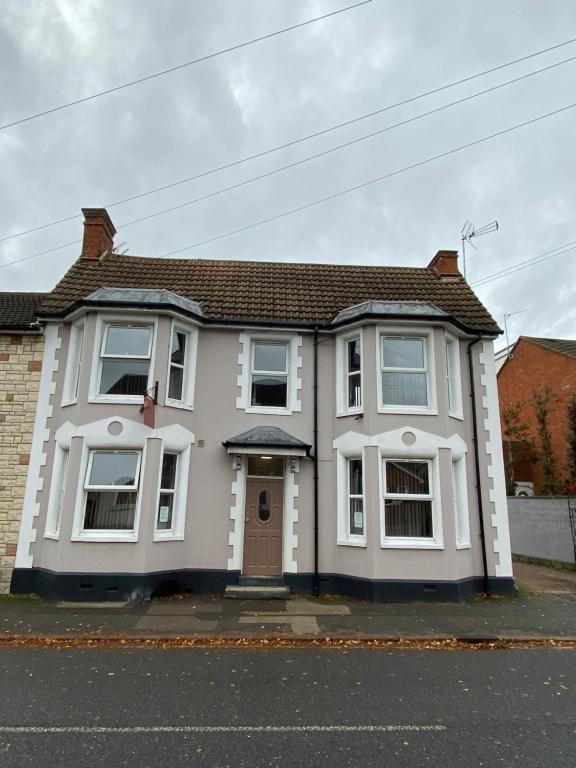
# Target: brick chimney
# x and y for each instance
(446, 264)
(98, 233)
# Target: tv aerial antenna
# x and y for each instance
(469, 231)
(507, 316)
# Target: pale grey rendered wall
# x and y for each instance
(214, 419)
(540, 527)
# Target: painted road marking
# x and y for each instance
(87, 729)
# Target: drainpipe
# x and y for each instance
(477, 463)
(316, 584)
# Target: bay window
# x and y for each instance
(453, 379)
(111, 490)
(125, 359)
(166, 500)
(355, 498)
(408, 499)
(354, 373)
(404, 371)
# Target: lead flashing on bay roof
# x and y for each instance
(395, 308)
(141, 298)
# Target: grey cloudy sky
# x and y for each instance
(54, 51)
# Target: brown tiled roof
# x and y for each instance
(18, 310)
(563, 346)
(304, 294)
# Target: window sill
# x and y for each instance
(410, 544)
(407, 410)
(360, 542)
(66, 403)
(456, 415)
(105, 537)
(350, 412)
(118, 399)
(270, 411)
(168, 536)
(53, 536)
(465, 545)
(178, 404)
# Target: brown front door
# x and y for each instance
(263, 527)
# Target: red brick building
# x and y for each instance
(532, 365)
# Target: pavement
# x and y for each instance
(545, 609)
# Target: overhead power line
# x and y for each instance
(308, 137)
(364, 184)
(335, 195)
(513, 268)
(178, 67)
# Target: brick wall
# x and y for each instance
(20, 367)
(532, 367)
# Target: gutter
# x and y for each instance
(316, 582)
(477, 463)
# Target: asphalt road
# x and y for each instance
(359, 708)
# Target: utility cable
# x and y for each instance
(180, 66)
(293, 142)
(520, 265)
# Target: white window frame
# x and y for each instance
(88, 534)
(57, 490)
(407, 332)
(73, 364)
(344, 536)
(180, 492)
(460, 496)
(103, 322)
(343, 374)
(413, 542)
(189, 366)
(453, 377)
(294, 364)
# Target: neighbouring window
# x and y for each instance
(453, 381)
(167, 492)
(354, 373)
(404, 371)
(269, 374)
(177, 364)
(111, 490)
(355, 498)
(74, 362)
(125, 359)
(407, 499)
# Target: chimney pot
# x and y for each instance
(445, 263)
(98, 233)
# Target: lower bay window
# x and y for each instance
(355, 498)
(165, 518)
(351, 500)
(111, 491)
(409, 503)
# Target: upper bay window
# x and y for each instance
(453, 377)
(349, 373)
(406, 377)
(181, 366)
(125, 359)
(111, 486)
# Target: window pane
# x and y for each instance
(168, 477)
(269, 391)
(124, 377)
(272, 467)
(354, 355)
(165, 510)
(178, 350)
(354, 390)
(123, 340)
(408, 518)
(269, 357)
(407, 477)
(111, 468)
(355, 466)
(357, 517)
(403, 353)
(404, 388)
(110, 510)
(176, 382)
(264, 505)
